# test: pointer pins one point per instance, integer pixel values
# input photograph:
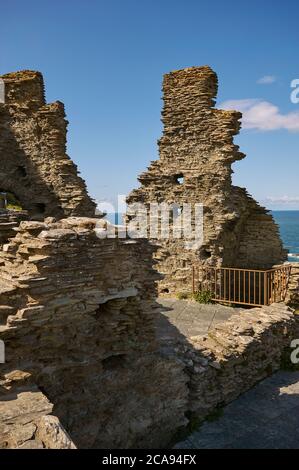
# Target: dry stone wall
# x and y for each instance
(33, 161)
(235, 355)
(196, 154)
(77, 311)
(292, 297)
(78, 321)
(9, 221)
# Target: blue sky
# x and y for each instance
(105, 61)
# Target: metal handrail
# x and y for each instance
(254, 287)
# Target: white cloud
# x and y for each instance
(262, 115)
(288, 200)
(266, 80)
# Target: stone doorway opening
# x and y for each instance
(9, 200)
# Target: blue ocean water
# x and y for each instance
(288, 222)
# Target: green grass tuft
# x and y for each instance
(203, 297)
(183, 295)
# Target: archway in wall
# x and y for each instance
(9, 200)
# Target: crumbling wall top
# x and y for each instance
(196, 153)
(25, 87)
(34, 166)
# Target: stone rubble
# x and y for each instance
(26, 422)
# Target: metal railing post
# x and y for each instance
(193, 279)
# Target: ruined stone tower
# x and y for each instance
(196, 155)
(77, 311)
(85, 364)
(33, 161)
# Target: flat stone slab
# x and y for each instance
(182, 319)
(265, 417)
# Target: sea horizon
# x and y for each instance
(288, 222)
(286, 219)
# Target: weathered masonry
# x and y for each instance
(196, 155)
(33, 161)
(76, 312)
(77, 319)
(83, 367)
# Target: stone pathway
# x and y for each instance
(265, 417)
(186, 318)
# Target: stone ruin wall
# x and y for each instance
(77, 319)
(27, 423)
(82, 362)
(9, 221)
(76, 311)
(197, 145)
(33, 161)
(292, 297)
(236, 355)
